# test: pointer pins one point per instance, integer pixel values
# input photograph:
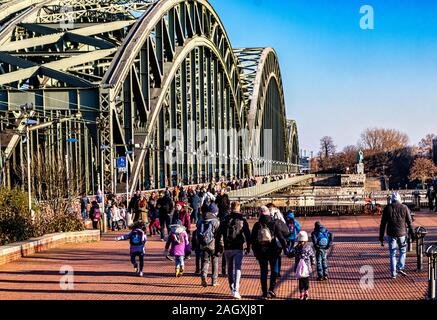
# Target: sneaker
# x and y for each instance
(305, 296)
(325, 278)
(204, 283)
(272, 294)
(402, 272)
(319, 278)
(141, 274)
(178, 272)
(264, 298)
(135, 268)
(393, 276)
(236, 295)
(215, 283)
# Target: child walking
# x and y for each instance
(294, 228)
(322, 241)
(179, 247)
(137, 238)
(304, 259)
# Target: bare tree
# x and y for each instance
(327, 147)
(422, 169)
(377, 140)
(425, 145)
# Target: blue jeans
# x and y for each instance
(195, 215)
(234, 259)
(264, 262)
(179, 261)
(322, 262)
(395, 243)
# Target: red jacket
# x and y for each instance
(184, 217)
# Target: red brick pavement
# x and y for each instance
(102, 270)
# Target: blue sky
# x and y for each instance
(338, 78)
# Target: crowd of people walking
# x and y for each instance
(204, 222)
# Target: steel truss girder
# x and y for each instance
(173, 64)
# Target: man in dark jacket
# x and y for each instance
(322, 240)
(165, 207)
(207, 230)
(396, 218)
(430, 195)
(265, 235)
(235, 232)
(194, 201)
(223, 203)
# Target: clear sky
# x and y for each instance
(338, 78)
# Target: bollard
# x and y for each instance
(431, 253)
(420, 233)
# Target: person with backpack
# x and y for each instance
(304, 260)
(165, 207)
(294, 228)
(207, 229)
(178, 247)
(276, 215)
(322, 240)
(137, 240)
(395, 220)
(95, 215)
(265, 234)
(235, 232)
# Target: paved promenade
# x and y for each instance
(102, 270)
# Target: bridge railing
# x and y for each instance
(263, 189)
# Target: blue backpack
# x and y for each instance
(205, 234)
(323, 238)
(136, 237)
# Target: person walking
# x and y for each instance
(95, 215)
(179, 245)
(322, 240)
(235, 233)
(181, 214)
(304, 260)
(430, 195)
(137, 239)
(396, 218)
(84, 202)
(194, 201)
(165, 207)
(294, 228)
(207, 230)
(265, 234)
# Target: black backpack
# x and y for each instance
(234, 229)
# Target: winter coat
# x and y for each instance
(136, 248)
(181, 248)
(305, 252)
(243, 237)
(290, 220)
(184, 217)
(215, 224)
(396, 218)
(279, 233)
(314, 236)
(165, 205)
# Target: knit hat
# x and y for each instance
(302, 236)
(264, 211)
(181, 203)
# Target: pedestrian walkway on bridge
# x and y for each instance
(102, 270)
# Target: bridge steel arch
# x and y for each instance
(159, 74)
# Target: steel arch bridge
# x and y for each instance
(155, 81)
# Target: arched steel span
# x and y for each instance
(293, 142)
(154, 73)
